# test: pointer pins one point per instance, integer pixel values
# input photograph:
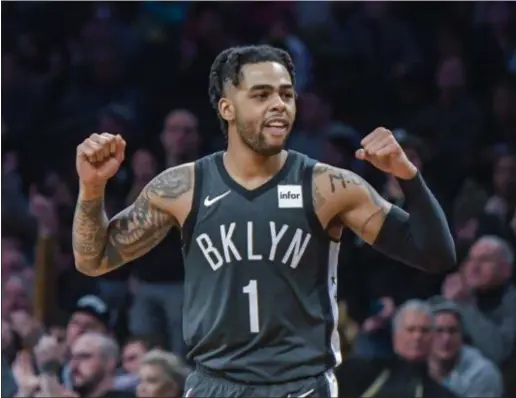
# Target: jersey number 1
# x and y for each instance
(252, 290)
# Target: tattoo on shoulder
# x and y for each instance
(172, 183)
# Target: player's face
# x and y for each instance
(265, 107)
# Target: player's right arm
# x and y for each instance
(101, 245)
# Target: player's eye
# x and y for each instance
(261, 96)
(288, 95)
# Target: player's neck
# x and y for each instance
(246, 163)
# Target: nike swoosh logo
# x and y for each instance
(305, 394)
(208, 202)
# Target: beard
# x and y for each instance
(88, 386)
(256, 141)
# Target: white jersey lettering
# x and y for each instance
(250, 240)
(227, 243)
(211, 254)
(296, 249)
(287, 246)
(275, 238)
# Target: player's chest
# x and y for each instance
(252, 237)
(272, 227)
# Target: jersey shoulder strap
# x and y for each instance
(308, 198)
(191, 219)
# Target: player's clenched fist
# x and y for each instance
(381, 149)
(98, 158)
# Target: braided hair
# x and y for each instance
(228, 64)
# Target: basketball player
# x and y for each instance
(261, 229)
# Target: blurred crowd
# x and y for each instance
(442, 76)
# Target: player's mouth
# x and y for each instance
(277, 126)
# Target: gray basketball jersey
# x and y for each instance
(260, 276)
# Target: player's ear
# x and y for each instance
(226, 109)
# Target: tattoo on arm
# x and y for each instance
(344, 179)
(89, 231)
(100, 246)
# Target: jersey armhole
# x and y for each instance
(191, 218)
(308, 204)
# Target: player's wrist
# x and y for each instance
(91, 191)
(409, 174)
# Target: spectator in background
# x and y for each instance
(94, 357)
(382, 47)
(341, 143)
(16, 295)
(91, 314)
(486, 298)
(13, 259)
(158, 287)
(16, 219)
(470, 220)
(314, 121)
(499, 20)
(162, 375)
(407, 374)
(413, 331)
(118, 119)
(461, 368)
(105, 78)
(57, 329)
(23, 97)
(206, 32)
(452, 125)
(503, 203)
(180, 137)
(134, 350)
(144, 168)
(93, 366)
(502, 126)
(281, 34)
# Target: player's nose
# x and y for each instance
(277, 104)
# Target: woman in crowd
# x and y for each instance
(162, 374)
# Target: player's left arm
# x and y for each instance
(420, 238)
